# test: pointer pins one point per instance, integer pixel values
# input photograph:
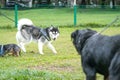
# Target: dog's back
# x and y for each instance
(11, 48)
(101, 50)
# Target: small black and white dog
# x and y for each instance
(99, 53)
(27, 32)
(10, 48)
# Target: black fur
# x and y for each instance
(98, 53)
(36, 32)
(31, 31)
(10, 48)
(115, 68)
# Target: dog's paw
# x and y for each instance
(41, 53)
(55, 52)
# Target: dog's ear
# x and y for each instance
(75, 37)
(74, 34)
(54, 26)
(51, 27)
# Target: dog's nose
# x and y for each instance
(54, 38)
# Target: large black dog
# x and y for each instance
(99, 53)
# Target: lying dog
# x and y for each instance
(99, 53)
(27, 32)
(10, 48)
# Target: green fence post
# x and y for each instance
(16, 15)
(75, 13)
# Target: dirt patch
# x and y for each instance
(54, 68)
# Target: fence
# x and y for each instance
(61, 16)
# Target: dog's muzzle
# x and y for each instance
(54, 39)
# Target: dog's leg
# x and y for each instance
(21, 45)
(20, 40)
(106, 77)
(52, 47)
(90, 73)
(40, 47)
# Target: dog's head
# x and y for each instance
(79, 37)
(53, 32)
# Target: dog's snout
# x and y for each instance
(54, 38)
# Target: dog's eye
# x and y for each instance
(54, 32)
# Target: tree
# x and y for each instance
(103, 4)
(49, 1)
(113, 3)
(2, 3)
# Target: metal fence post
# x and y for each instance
(75, 12)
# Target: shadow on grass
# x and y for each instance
(7, 28)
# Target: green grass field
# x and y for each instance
(66, 64)
(63, 17)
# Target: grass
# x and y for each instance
(66, 65)
(62, 64)
(63, 17)
(30, 75)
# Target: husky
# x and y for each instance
(27, 33)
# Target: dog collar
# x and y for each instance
(1, 50)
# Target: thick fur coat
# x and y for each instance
(27, 33)
(99, 53)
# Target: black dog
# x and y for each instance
(10, 48)
(99, 53)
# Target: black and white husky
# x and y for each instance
(27, 32)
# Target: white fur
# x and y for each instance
(24, 21)
(22, 42)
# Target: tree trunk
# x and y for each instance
(48, 1)
(113, 3)
(30, 4)
(103, 4)
(3, 3)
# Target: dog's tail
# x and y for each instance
(24, 21)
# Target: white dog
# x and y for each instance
(27, 32)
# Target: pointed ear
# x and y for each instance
(51, 25)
